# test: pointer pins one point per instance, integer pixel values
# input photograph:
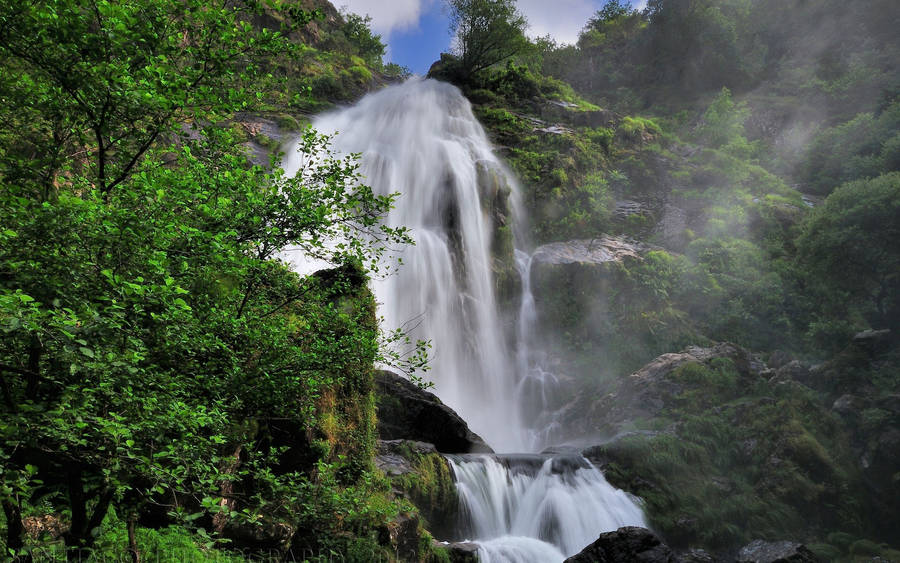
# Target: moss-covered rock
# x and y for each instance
(424, 477)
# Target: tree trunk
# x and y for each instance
(15, 530)
(132, 540)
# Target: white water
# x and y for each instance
(508, 502)
(421, 139)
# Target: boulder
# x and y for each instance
(696, 556)
(625, 544)
(406, 412)
(393, 456)
(873, 341)
(760, 551)
(460, 552)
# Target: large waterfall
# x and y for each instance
(422, 140)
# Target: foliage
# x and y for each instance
(116, 76)
(746, 460)
(155, 346)
(866, 146)
(486, 32)
(849, 247)
(722, 126)
(366, 45)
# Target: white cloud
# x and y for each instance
(388, 15)
(562, 19)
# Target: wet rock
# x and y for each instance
(696, 556)
(588, 252)
(392, 456)
(760, 551)
(553, 130)
(461, 552)
(404, 537)
(406, 412)
(626, 544)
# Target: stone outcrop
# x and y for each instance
(572, 281)
(406, 412)
(649, 390)
(760, 551)
(588, 252)
(626, 544)
(421, 475)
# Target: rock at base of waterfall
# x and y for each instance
(406, 412)
(760, 551)
(421, 475)
(626, 544)
(460, 552)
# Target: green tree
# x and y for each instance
(611, 10)
(486, 32)
(850, 246)
(95, 84)
(149, 329)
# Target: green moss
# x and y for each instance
(287, 122)
(430, 487)
(742, 464)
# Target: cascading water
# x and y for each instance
(562, 501)
(422, 140)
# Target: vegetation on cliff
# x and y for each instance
(162, 367)
(756, 154)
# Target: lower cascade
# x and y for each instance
(422, 140)
(522, 508)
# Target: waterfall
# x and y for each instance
(422, 140)
(537, 508)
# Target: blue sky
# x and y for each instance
(416, 33)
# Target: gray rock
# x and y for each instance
(873, 341)
(779, 358)
(390, 455)
(589, 251)
(406, 412)
(696, 556)
(792, 371)
(759, 551)
(670, 229)
(625, 544)
(626, 208)
(461, 552)
(848, 405)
